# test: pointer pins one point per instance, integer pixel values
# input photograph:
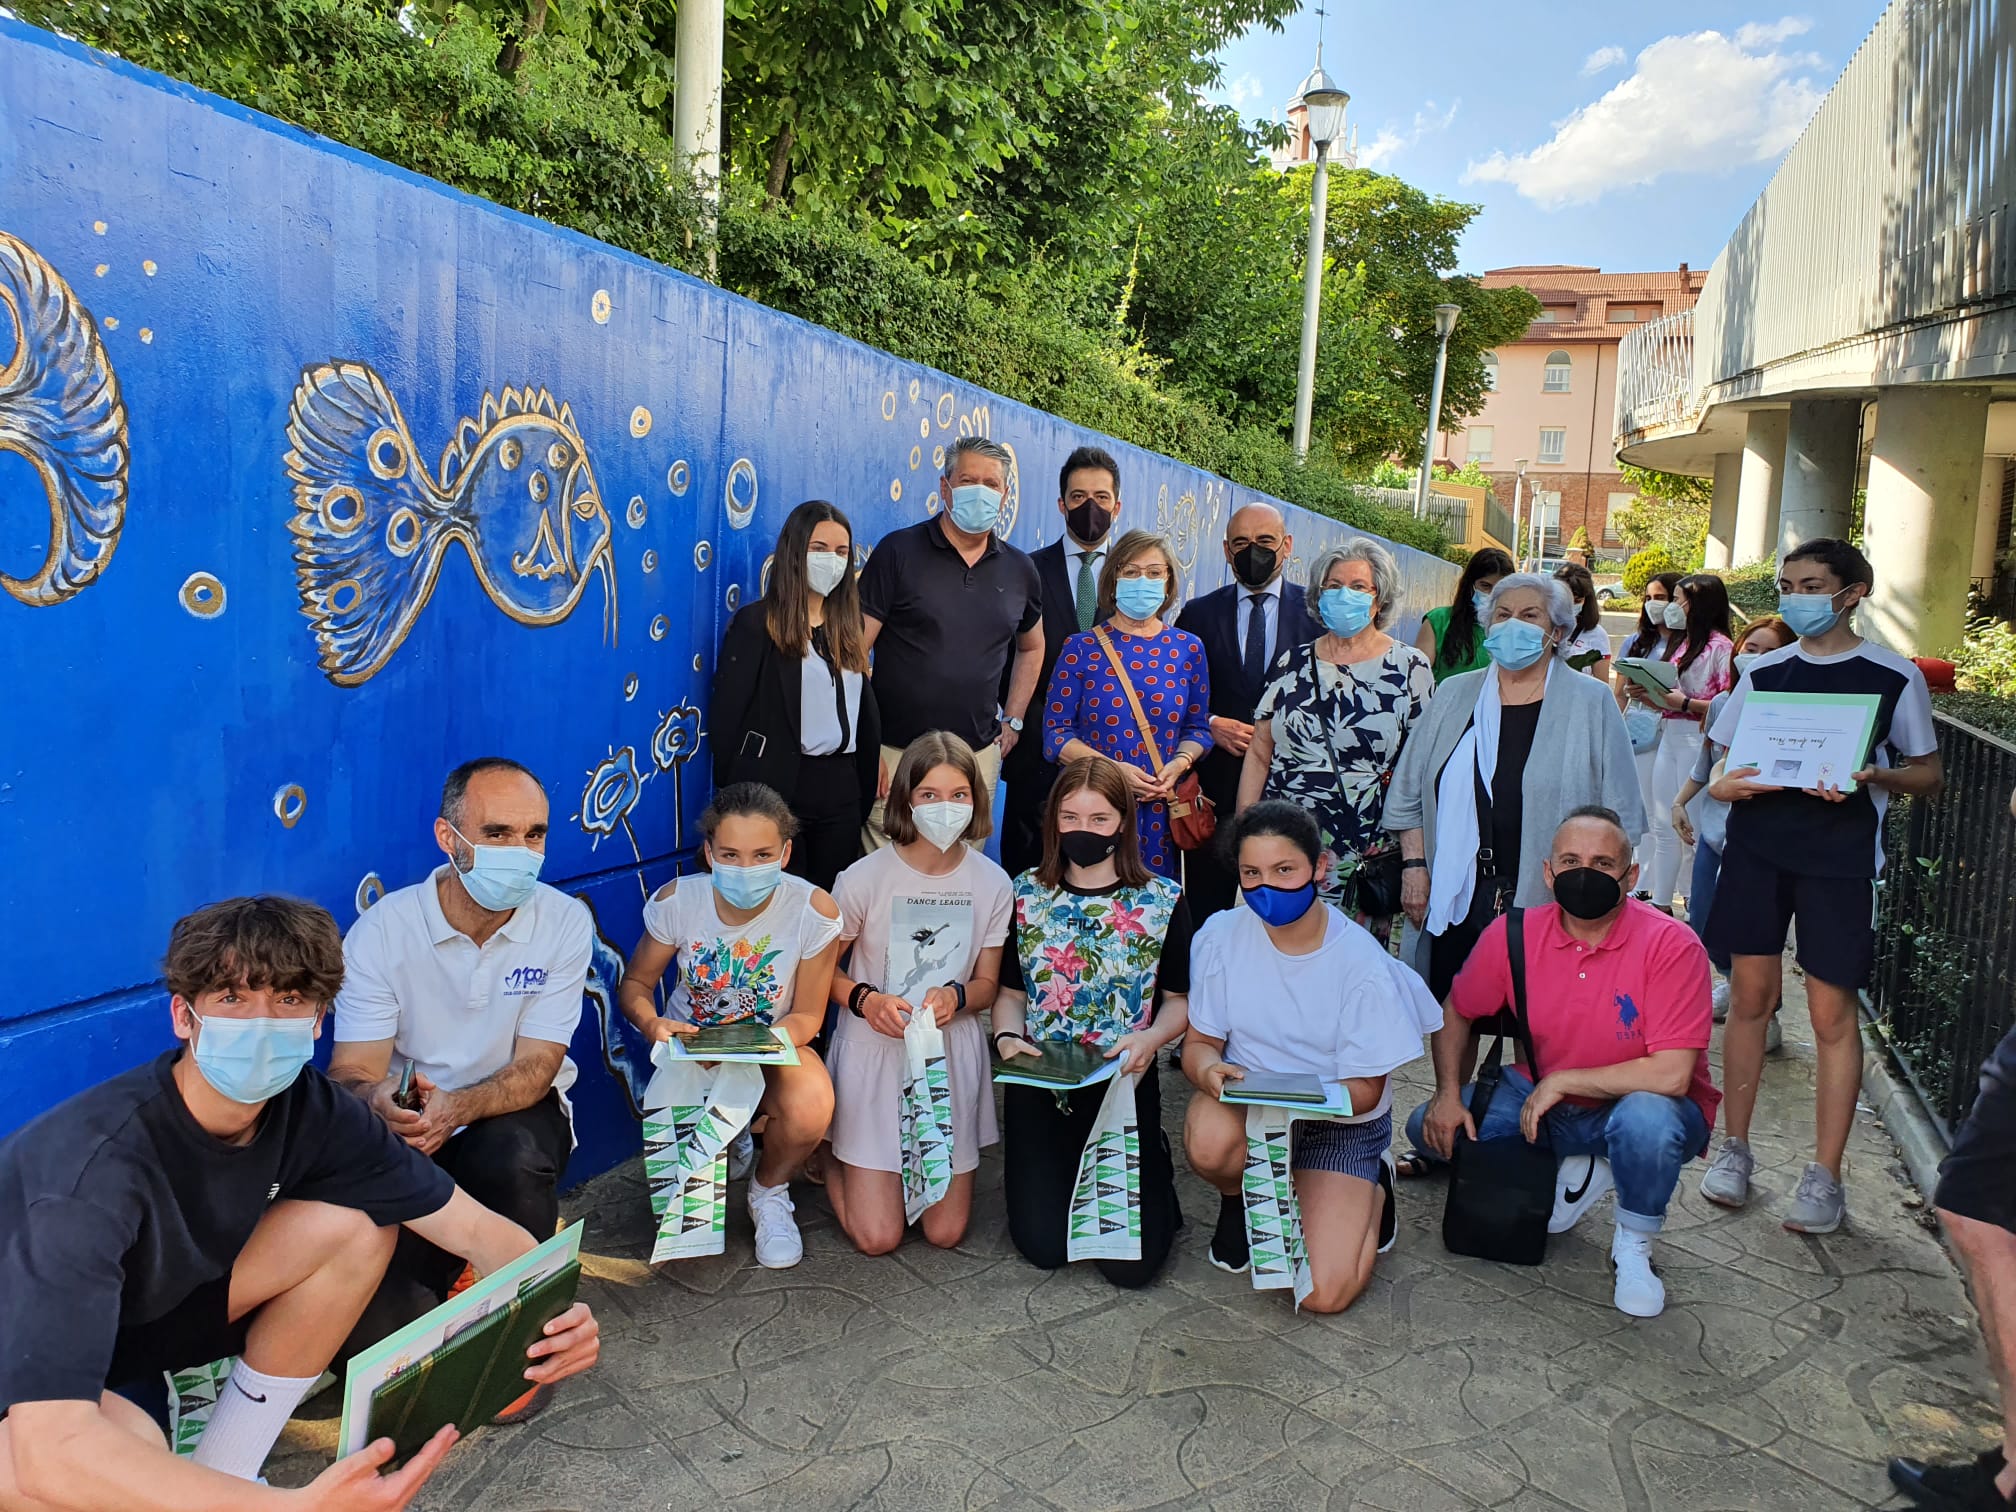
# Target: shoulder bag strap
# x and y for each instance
(1133, 698)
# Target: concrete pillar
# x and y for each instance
(1924, 498)
(1988, 521)
(1721, 545)
(1822, 438)
(1759, 493)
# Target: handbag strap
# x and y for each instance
(1492, 1071)
(1133, 698)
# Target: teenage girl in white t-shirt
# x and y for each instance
(1288, 984)
(750, 942)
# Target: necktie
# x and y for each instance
(1088, 591)
(1255, 668)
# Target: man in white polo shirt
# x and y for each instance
(473, 978)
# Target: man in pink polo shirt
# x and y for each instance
(1618, 998)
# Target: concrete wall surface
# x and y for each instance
(317, 478)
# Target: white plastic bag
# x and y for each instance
(924, 1116)
(693, 1110)
(1106, 1202)
(1273, 1213)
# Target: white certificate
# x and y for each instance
(1804, 740)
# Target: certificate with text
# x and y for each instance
(1804, 740)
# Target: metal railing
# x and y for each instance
(1946, 923)
(1498, 522)
(1655, 376)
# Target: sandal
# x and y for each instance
(1413, 1166)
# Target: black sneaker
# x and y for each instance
(1966, 1487)
(1389, 1218)
(1229, 1251)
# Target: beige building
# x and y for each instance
(1553, 394)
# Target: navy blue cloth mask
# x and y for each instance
(1281, 906)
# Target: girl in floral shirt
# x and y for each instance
(1098, 942)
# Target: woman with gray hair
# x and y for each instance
(1328, 731)
(1503, 756)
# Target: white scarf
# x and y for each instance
(1451, 887)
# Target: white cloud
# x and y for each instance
(1695, 103)
(1391, 139)
(1242, 91)
(1602, 59)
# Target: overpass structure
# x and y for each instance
(1859, 332)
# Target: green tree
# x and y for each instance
(1670, 512)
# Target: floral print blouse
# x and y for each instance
(1091, 962)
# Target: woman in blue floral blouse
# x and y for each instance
(1099, 953)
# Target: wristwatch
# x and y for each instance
(1411, 865)
(958, 990)
(1012, 722)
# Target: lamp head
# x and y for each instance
(1324, 102)
(1445, 320)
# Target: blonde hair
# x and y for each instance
(936, 748)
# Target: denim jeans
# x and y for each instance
(1701, 897)
(1646, 1136)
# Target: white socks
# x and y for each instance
(251, 1410)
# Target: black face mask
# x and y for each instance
(1587, 893)
(1254, 565)
(1088, 523)
(1086, 848)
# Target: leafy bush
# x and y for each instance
(1753, 589)
(1986, 660)
(1982, 710)
(1646, 565)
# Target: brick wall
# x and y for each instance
(1585, 501)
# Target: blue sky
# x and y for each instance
(1626, 136)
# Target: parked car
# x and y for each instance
(1606, 589)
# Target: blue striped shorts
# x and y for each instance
(1351, 1149)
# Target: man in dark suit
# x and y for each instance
(1242, 663)
(1088, 497)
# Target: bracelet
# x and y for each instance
(1005, 1034)
(860, 995)
(1415, 862)
(958, 990)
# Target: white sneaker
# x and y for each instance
(778, 1243)
(1721, 1001)
(1580, 1182)
(741, 1155)
(1639, 1292)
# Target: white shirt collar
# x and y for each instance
(1272, 590)
(518, 927)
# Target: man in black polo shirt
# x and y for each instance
(1812, 855)
(948, 607)
(224, 1200)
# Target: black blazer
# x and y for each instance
(753, 718)
(1060, 623)
(1214, 620)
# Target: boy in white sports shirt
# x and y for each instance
(1813, 855)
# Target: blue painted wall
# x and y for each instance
(173, 726)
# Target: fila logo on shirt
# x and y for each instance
(522, 981)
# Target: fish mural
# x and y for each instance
(372, 525)
(61, 413)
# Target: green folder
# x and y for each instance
(743, 1037)
(475, 1375)
(1063, 1063)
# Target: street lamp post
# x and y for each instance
(1324, 105)
(1445, 322)
(1518, 498)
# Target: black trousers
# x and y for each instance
(1978, 1179)
(1450, 949)
(1026, 793)
(512, 1164)
(1041, 1147)
(827, 801)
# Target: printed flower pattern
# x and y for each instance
(1099, 983)
(727, 981)
(612, 791)
(676, 738)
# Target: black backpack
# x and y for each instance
(1501, 1191)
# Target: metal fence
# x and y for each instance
(1498, 522)
(1946, 923)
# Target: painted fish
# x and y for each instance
(371, 524)
(61, 413)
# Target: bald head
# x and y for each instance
(1592, 836)
(1257, 544)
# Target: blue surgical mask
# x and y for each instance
(1514, 644)
(1481, 602)
(1280, 906)
(1345, 611)
(747, 886)
(1140, 598)
(252, 1060)
(500, 877)
(1809, 613)
(975, 507)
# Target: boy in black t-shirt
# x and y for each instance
(225, 1199)
(1811, 855)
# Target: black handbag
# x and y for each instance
(1501, 1191)
(1377, 883)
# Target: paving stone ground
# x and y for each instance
(1783, 1372)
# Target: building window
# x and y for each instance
(1553, 444)
(1619, 502)
(1560, 367)
(1490, 372)
(1546, 316)
(1623, 314)
(1477, 444)
(1547, 511)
